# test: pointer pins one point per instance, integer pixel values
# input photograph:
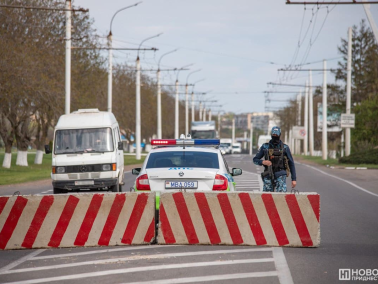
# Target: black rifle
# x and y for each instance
(268, 172)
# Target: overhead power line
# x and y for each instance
(44, 8)
(331, 3)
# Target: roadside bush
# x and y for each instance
(366, 157)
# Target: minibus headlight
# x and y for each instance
(106, 167)
(60, 170)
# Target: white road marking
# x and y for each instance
(210, 278)
(138, 257)
(248, 188)
(258, 178)
(20, 260)
(282, 267)
(98, 251)
(351, 183)
(144, 268)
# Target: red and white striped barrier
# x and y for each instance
(103, 219)
(240, 218)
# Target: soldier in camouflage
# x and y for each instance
(278, 155)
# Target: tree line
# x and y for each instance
(32, 79)
(364, 94)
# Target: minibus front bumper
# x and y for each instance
(72, 185)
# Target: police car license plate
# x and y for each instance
(181, 184)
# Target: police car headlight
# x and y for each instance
(60, 170)
(106, 167)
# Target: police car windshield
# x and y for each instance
(183, 159)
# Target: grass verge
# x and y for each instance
(18, 174)
(334, 162)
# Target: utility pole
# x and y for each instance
(187, 101)
(325, 113)
(204, 114)
(177, 134)
(177, 110)
(186, 110)
(245, 141)
(251, 142)
(193, 108)
(138, 148)
(200, 111)
(68, 57)
(110, 59)
(299, 103)
(291, 138)
(159, 124)
(233, 130)
(209, 114)
(305, 144)
(342, 143)
(311, 114)
(110, 72)
(349, 91)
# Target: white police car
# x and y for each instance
(185, 164)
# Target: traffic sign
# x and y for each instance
(347, 120)
(299, 132)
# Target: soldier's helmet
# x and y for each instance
(276, 130)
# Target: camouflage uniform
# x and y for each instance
(280, 183)
(280, 175)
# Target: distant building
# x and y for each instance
(261, 120)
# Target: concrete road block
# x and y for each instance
(240, 218)
(83, 219)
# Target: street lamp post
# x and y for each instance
(137, 112)
(193, 106)
(159, 124)
(187, 101)
(110, 60)
(177, 102)
(68, 58)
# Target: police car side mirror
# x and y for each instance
(47, 149)
(236, 172)
(136, 171)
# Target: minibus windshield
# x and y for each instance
(71, 141)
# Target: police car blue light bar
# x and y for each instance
(185, 142)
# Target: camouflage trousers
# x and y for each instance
(280, 184)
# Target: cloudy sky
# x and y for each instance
(239, 44)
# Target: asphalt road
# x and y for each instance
(349, 239)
